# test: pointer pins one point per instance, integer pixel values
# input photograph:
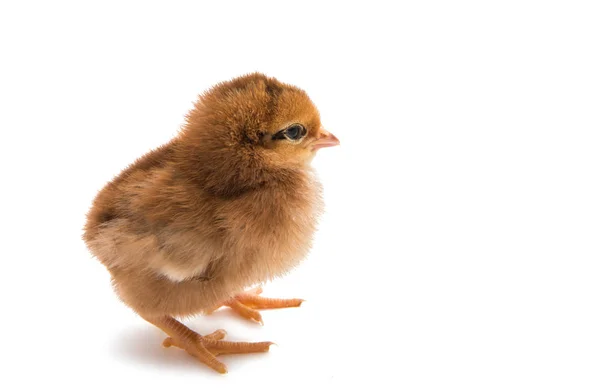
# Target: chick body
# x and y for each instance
(176, 240)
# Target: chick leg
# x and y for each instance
(247, 303)
(204, 348)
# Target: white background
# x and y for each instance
(460, 248)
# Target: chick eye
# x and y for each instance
(295, 132)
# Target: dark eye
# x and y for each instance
(295, 132)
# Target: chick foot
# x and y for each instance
(246, 304)
(204, 348)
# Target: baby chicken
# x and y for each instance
(229, 203)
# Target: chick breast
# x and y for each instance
(172, 249)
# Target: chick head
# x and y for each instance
(252, 127)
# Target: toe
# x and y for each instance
(216, 335)
(228, 347)
(246, 311)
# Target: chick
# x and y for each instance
(229, 203)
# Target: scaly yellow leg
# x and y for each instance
(247, 303)
(206, 348)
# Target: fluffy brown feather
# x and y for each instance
(224, 205)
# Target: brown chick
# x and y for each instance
(229, 203)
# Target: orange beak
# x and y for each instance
(325, 139)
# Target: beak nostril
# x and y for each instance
(325, 139)
(324, 134)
